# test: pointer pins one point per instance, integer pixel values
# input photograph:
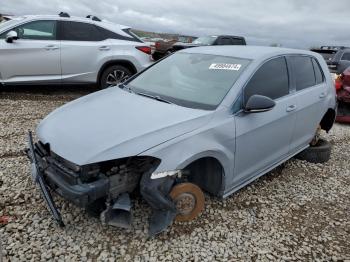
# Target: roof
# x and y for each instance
(104, 23)
(248, 52)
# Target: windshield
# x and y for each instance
(10, 23)
(204, 40)
(190, 80)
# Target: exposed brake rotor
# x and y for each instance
(189, 201)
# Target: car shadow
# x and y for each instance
(46, 90)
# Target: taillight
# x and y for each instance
(157, 45)
(145, 49)
(338, 82)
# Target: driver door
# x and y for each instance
(263, 139)
(35, 56)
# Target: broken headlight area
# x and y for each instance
(104, 187)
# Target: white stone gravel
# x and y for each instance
(297, 213)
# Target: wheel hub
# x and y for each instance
(185, 203)
(116, 77)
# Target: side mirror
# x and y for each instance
(258, 103)
(12, 35)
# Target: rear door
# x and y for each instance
(82, 51)
(263, 139)
(311, 91)
(34, 57)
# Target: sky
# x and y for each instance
(291, 23)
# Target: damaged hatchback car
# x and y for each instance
(207, 119)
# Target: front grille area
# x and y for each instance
(64, 168)
(51, 161)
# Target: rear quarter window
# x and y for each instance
(318, 72)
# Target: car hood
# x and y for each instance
(114, 123)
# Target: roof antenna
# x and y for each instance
(64, 14)
(94, 18)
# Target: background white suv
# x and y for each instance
(69, 50)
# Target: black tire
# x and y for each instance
(156, 56)
(320, 153)
(113, 75)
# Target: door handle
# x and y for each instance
(51, 47)
(104, 48)
(322, 95)
(291, 108)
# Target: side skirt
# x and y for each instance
(257, 175)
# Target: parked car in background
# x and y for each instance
(212, 119)
(342, 84)
(4, 18)
(163, 48)
(167, 47)
(337, 57)
(211, 40)
(69, 50)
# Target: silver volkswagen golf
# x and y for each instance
(207, 119)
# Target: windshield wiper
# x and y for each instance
(158, 98)
(125, 87)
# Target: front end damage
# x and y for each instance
(104, 187)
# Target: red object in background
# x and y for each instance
(342, 85)
(338, 83)
(4, 220)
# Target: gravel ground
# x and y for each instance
(300, 212)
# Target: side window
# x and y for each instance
(270, 80)
(225, 41)
(303, 72)
(36, 30)
(318, 72)
(237, 41)
(346, 56)
(77, 31)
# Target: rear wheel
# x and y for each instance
(318, 153)
(114, 75)
(189, 201)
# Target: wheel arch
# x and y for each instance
(122, 62)
(328, 119)
(207, 172)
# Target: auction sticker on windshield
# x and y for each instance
(222, 66)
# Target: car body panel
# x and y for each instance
(25, 60)
(90, 134)
(256, 131)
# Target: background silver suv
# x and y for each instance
(68, 50)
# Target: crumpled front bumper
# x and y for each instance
(38, 178)
(48, 179)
